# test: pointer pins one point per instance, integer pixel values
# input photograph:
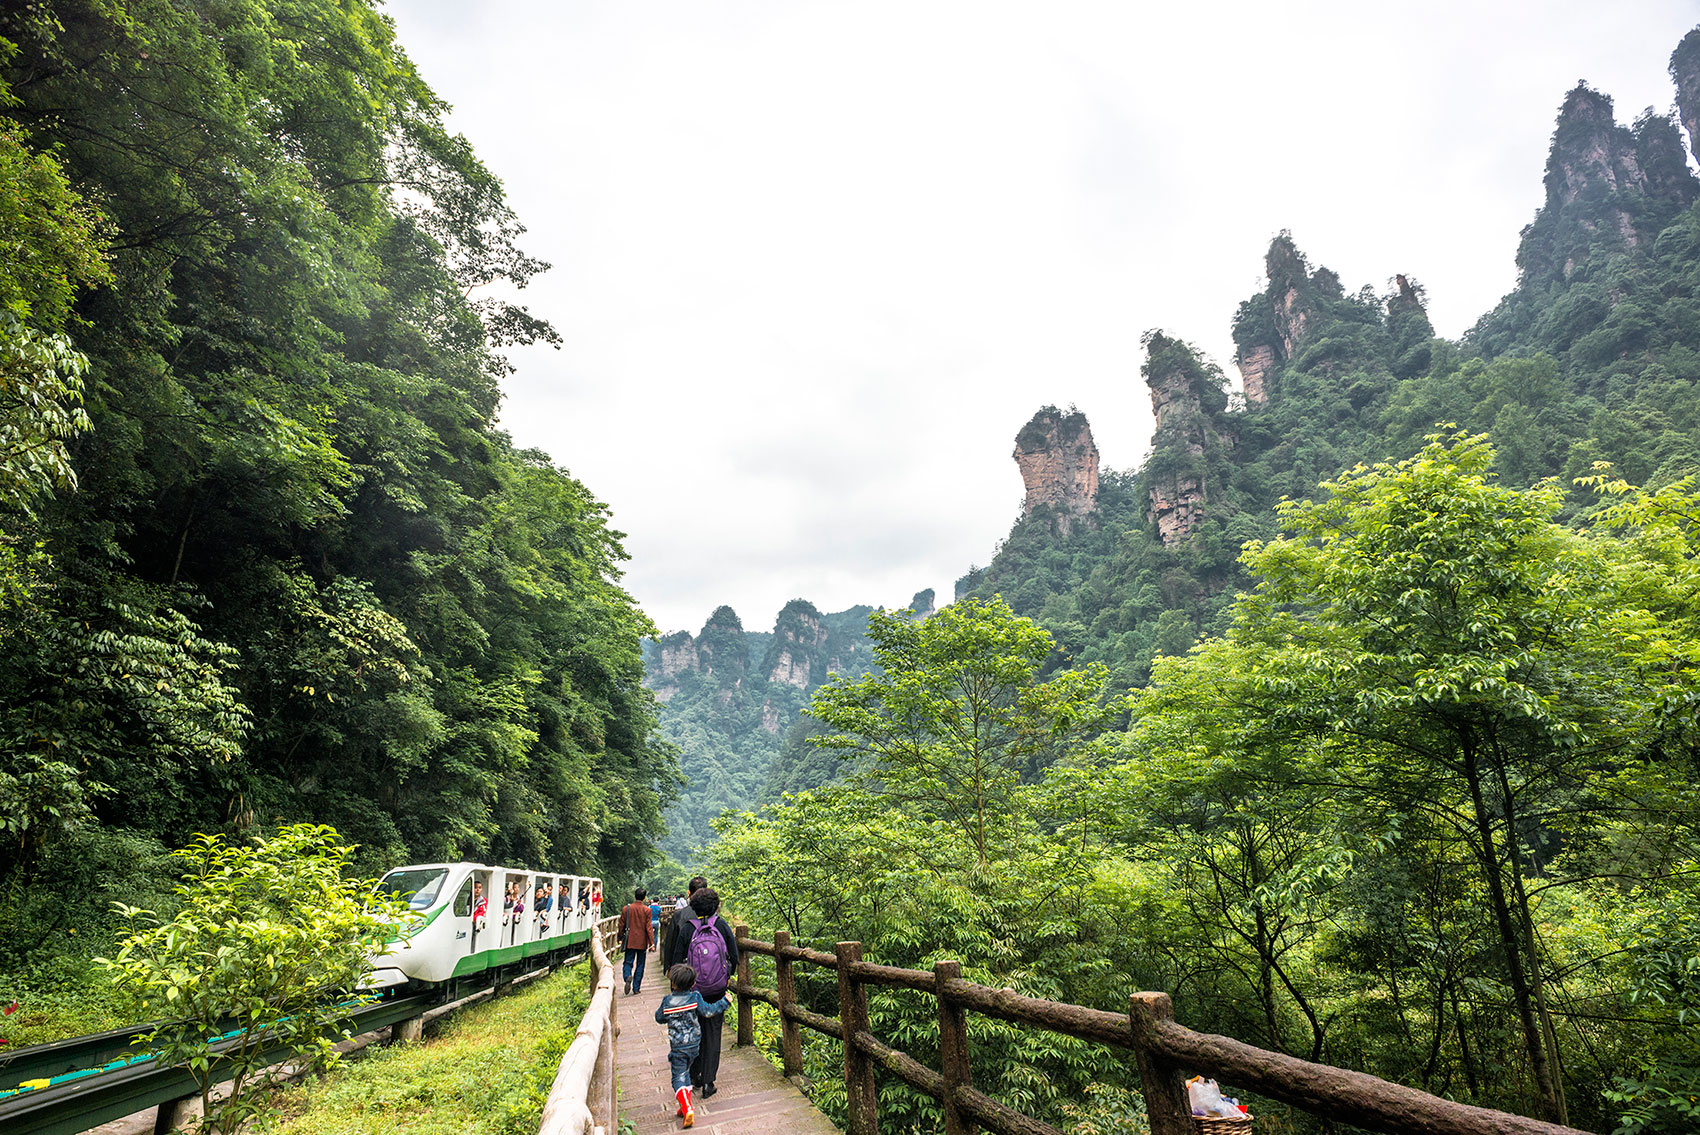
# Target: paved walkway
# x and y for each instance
(753, 1098)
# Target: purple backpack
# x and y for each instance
(707, 954)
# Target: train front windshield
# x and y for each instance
(419, 885)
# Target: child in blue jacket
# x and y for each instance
(681, 1011)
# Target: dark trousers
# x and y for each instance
(635, 978)
(679, 1060)
(706, 1066)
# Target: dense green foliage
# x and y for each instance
(1425, 810)
(953, 715)
(302, 575)
(265, 938)
(1409, 786)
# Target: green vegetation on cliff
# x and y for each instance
(1594, 357)
(732, 702)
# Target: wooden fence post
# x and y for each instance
(790, 1033)
(1160, 1080)
(863, 1103)
(953, 1050)
(746, 1003)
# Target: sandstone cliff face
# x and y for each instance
(1177, 506)
(923, 605)
(1609, 188)
(1273, 327)
(1059, 465)
(1186, 397)
(1685, 69)
(1255, 364)
(1589, 149)
(678, 654)
(803, 651)
(794, 654)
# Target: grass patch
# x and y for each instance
(57, 998)
(482, 1070)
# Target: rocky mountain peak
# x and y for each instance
(1589, 150)
(1272, 327)
(722, 648)
(1610, 189)
(794, 655)
(677, 655)
(1685, 69)
(1187, 395)
(1059, 466)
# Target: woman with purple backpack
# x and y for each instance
(706, 943)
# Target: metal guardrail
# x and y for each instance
(582, 1098)
(76, 1105)
(122, 1078)
(44, 1061)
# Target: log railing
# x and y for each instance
(582, 1099)
(1163, 1051)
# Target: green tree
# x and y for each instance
(1471, 653)
(955, 714)
(272, 940)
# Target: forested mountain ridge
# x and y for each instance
(1595, 356)
(732, 702)
(303, 574)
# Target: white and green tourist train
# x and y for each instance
(470, 918)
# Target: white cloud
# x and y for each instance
(816, 263)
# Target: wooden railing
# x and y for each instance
(1163, 1050)
(582, 1099)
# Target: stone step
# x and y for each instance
(752, 1097)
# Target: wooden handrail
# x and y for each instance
(1164, 1050)
(582, 1098)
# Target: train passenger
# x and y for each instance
(687, 1014)
(544, 900)
(634, 936)
(480, 905)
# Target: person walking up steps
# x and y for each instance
(685, 1013)
(681, 915)
(706, 943)
(635, 936)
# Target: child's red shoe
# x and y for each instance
(684, 1097)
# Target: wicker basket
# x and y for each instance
(1221, 1125)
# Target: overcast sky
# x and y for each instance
(816, 263)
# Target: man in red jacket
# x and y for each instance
(637, 937)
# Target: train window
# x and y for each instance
(418, 885)
(463, 900)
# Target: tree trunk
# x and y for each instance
(1534, 1039)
